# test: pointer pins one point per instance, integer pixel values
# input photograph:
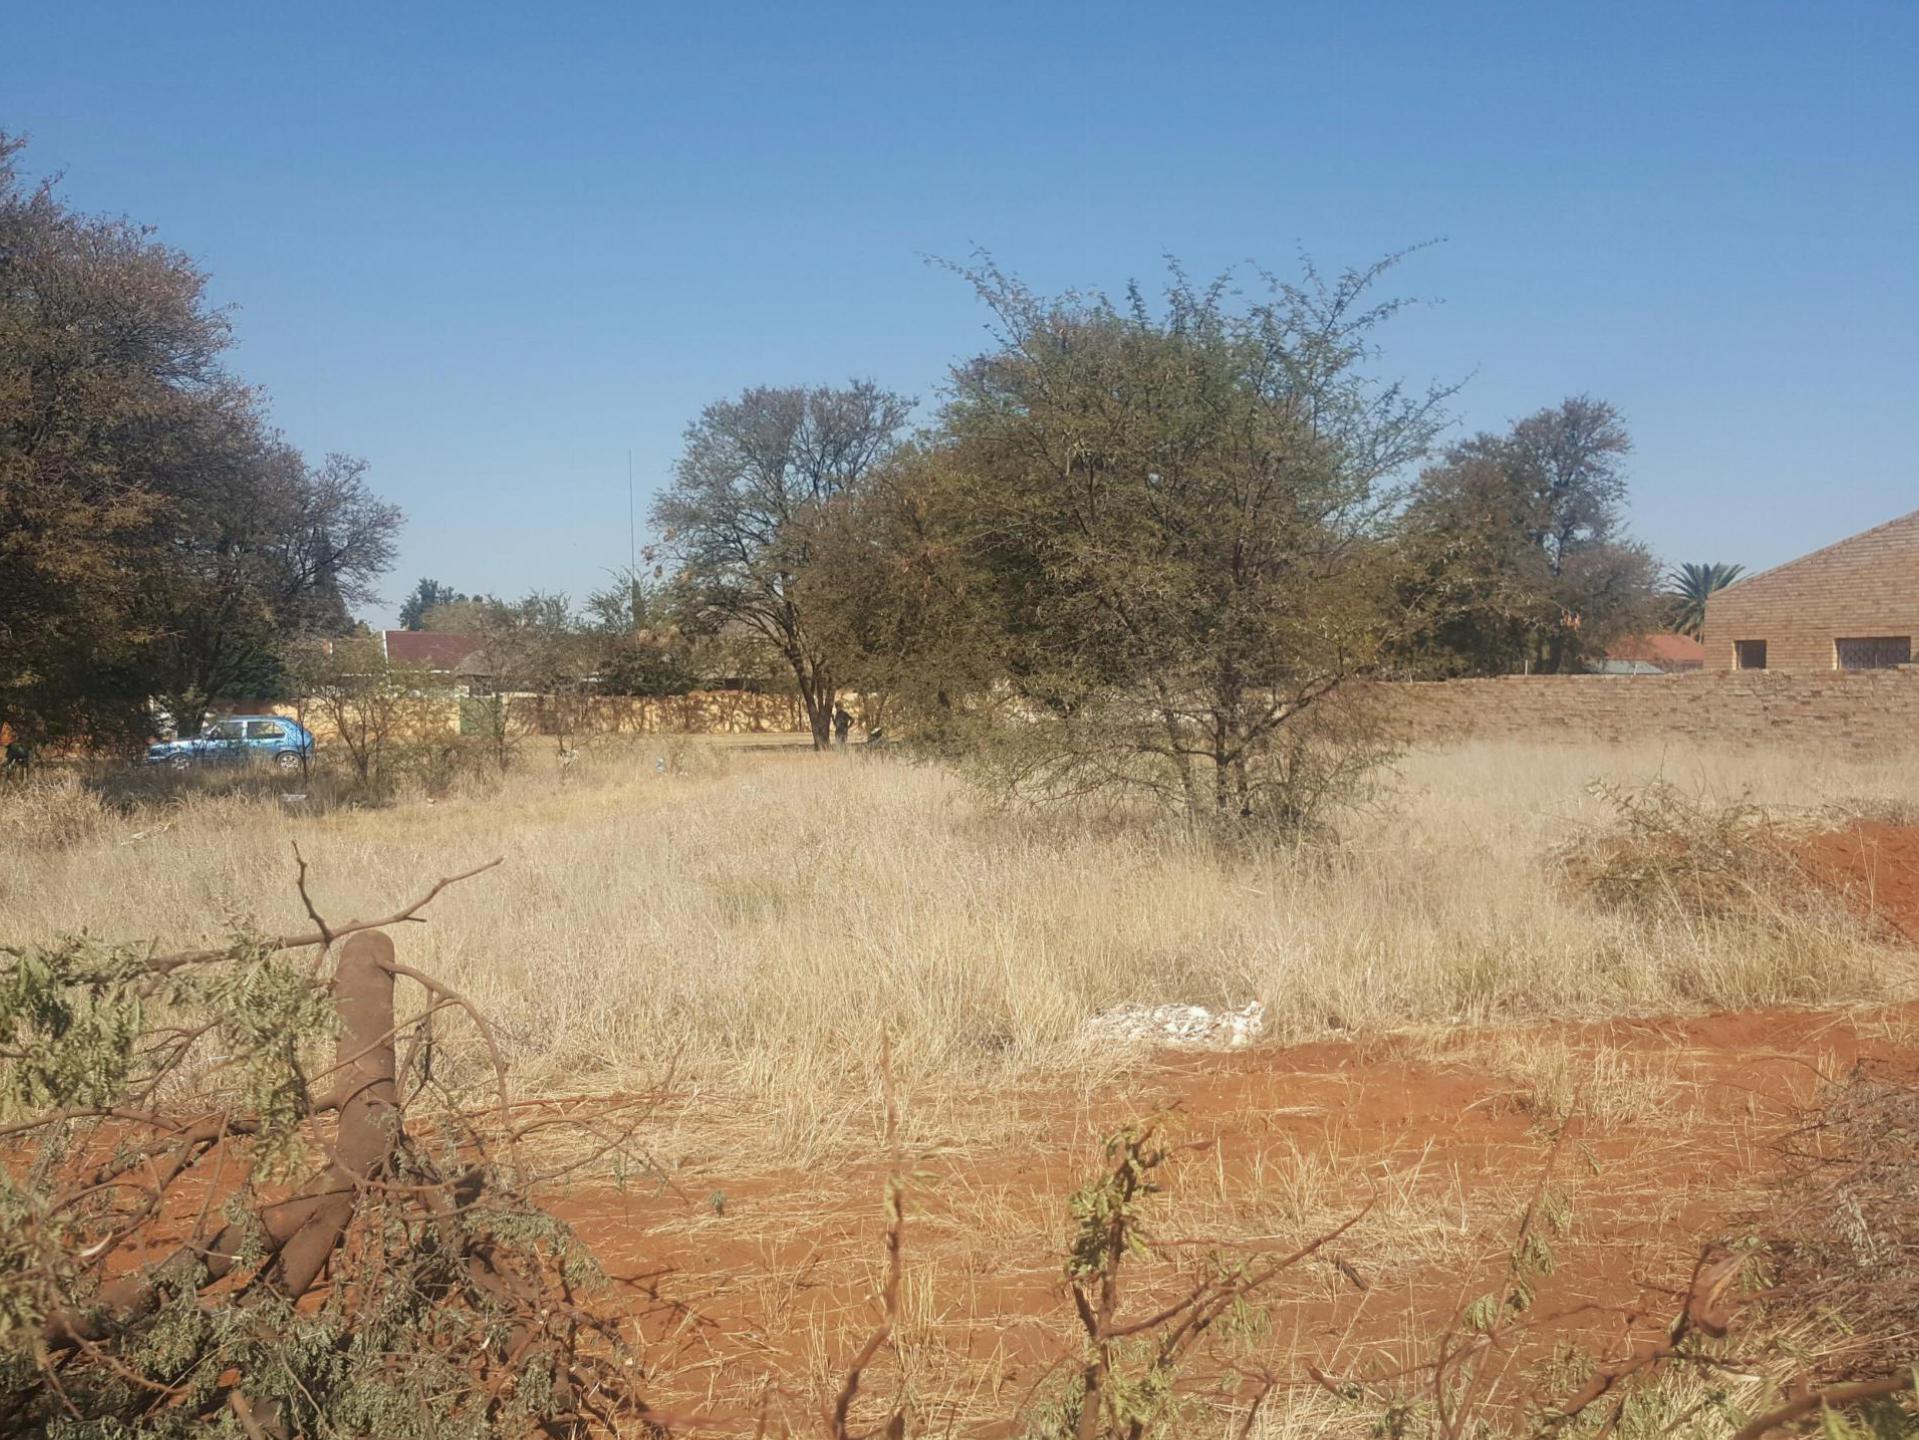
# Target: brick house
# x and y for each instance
(1851, 606)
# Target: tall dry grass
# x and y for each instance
(757, 918)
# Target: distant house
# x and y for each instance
(441, 651)
(463, 658)
(1656, 654)
(1851, 606)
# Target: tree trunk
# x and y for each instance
(300, 1232)
(1555, 654)
(817, 694)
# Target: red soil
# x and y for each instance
(1874, 865)
(779, 1288)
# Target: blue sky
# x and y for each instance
(493, 247)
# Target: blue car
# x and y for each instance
(273, 739)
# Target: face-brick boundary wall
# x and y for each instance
(1856, 713)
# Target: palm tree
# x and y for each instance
(1689, 587)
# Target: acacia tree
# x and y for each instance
(533, 653)
(636, 646)
(898, 602)
(755, 477)
(1165, 527)
(1518, 540)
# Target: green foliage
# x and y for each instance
(70, 1017)
(1145, 546)
(1136, 1380)
(1514, 549)
(160, 539)
(1109, 1211)
(429, 598)
(1688, 589)
(756, 477)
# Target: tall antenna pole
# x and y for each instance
(632, 551)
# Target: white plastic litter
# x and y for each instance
(1189, 1027)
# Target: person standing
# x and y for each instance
(18, 757)
(842, 722)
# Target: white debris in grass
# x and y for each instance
(1190, 1027)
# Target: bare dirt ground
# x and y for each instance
(772, 1277)
(1876, 867)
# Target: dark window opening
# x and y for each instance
(1874, 652)
(1749, 654)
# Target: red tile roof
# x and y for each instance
(435, 649)
(1672, 651)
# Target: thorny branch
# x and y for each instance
(379, 1219)
(166, 964)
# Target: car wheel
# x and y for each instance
(287, 760)
(181, 762)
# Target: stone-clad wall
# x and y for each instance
(1875, 712)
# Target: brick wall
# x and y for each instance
(1865, 586)
(1868, 713)
(704, 712)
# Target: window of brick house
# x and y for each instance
(1749, 654)
(1873, 652)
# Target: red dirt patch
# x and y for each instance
(1876, 867)
(778, 1281)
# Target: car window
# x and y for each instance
(225, 730)
(266, 730)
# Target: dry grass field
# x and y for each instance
(741, 928)
(757, 917)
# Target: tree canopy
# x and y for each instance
(1516, 549)
(1688, 589)
(755, 480)
(157, 538)
(1156, 535)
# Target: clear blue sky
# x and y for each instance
(492, 246)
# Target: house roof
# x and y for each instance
(1659, 649)
(478, 661)
(435, 649)
(1909, 521)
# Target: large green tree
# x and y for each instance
(739, 519)
(157, 540)
(1516, 549)
(1148, 540)
(425, 597)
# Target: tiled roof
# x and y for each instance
(435, 649)
(1660, 649)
